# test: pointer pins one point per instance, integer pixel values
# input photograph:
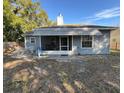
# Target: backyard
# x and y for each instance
(65, 74)
(80, 33)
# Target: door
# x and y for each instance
(64, 43)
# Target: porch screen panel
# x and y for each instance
(50, 43)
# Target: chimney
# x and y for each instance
(60, 20)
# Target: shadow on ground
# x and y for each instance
(91, 74)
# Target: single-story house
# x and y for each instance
(69, 40)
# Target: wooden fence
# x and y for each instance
(115, 46)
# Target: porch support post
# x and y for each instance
(40, 41)
(25, 42)
(72, 42)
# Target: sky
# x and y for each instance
(100, 12)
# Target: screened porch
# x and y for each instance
(56, 43)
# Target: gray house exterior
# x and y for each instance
(69, 40)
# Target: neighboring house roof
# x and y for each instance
(70, 30)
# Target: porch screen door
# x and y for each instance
(64, 43)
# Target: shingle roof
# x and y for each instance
(70, 30)
(80, 26)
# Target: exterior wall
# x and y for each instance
(32, 47)
(100, 44)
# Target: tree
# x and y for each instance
(20, 16)
(11, 22)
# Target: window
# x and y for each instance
(32, 40)
(86, 41)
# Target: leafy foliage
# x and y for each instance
(20, 16)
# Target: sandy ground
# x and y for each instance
(78, 74)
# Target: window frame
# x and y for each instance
(92, 42)
(34, 40)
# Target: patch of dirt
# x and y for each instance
(10, 47)
(15, 50)
(82, 74)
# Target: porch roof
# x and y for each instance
(69, 30)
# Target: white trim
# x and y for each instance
(92, 43)
(40, 41)
(57, 52)
(59, 43)
(25, 43)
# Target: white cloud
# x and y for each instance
(105, 14)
